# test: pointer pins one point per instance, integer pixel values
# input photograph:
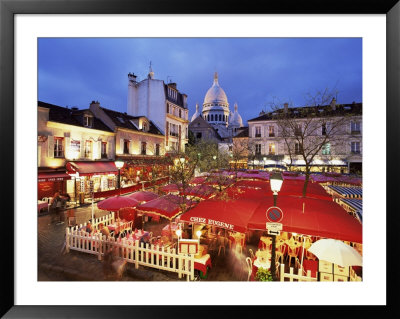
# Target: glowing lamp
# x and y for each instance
(119, 164)
(198, 233)
(178, 232)
(276, 181)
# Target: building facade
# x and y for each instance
(162, 104)
(77, 136)
(342, 152)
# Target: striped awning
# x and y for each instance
(355, 205)
(348, 192)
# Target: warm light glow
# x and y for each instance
(276, 181)
(198, 233)
(214, 157)
(119, 164)
(264, 159)
(178, 232)
(182, 159)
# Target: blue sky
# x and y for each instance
(252, 71)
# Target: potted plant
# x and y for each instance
(263, 274)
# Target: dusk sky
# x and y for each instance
(252, 71)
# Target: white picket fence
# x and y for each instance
(149, 256)
(292, 276)
(105, 220)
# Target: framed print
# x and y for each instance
(31, 36)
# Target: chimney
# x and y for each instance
(333, 104)
(131, 78)
(74, 108)
(95, 104)
(285, 107)
(262, 113)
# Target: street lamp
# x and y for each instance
(276, 181)
(119, 165)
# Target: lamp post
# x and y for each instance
(276, 181)
(119, 165)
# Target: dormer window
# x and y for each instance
(87, 120)
(144, 127)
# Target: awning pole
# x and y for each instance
(302, 255)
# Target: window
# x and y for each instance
(220, 117)
(120, 119)
(297, 130)
(167, 107)
(230, 148)
(87, 121)
(271, 149)
(208, 117)
(258, 149)
(144, 127)
(88, 149)
(271, 131)
(126, 146)
(143, 148)
(355, 147)
(323, 128)
(198, 135)
(75, 149)
(297, 148)
(258, 131)
(58, 147)
(103, 149)
(355, 127)
(157, 149)
(180, 113)
(326, 149)
(212, 117)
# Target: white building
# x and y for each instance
(343, 154)
(217, 113)
(162, 104)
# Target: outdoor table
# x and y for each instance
(201, 264)
(137, 235)
(42, 205)
(257, 264)
(117, 226)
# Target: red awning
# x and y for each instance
(229, 214)
(53, 177)
(320, 218)
(91, 168)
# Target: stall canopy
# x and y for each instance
(349, 192)
(295, 187)
(91, 168)
(201, 191)
(228, 214)
(320, 218)
(171, 188)
(344, 179)
(253, 184)
(143, 196)
(168, 206)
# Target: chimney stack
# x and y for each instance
(131, 78)
(333, 104)
(286, 106)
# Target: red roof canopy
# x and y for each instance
(91, 168)
(295, 187)
(116, 203)
(231, 214)
(202, 191)
(167, 206)
(143, 196)
(320, 218)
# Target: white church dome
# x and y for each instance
(215, 93)
(235, 119)
(196, 114)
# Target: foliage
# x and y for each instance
(263, 274)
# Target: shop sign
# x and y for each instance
(211, 222)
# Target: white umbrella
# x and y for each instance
(337, 252)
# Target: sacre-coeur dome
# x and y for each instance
(215, 93)
(235, 119)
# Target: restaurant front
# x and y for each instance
(51, 181)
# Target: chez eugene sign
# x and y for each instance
(274, 216)
(212, 222)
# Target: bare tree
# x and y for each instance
(313, 129)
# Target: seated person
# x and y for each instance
(89, 228)
(104, 230)
(145, 240)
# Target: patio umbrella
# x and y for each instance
(143, 196)
(337, 252)
(171, 188)
(116, 203)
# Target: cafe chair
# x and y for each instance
(249, 267)
(292, 253)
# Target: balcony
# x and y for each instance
(271, 134)
(355, 132)
(257, 135)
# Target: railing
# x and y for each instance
(149, 256)
(106, 220)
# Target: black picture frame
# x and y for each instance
(8, 10)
